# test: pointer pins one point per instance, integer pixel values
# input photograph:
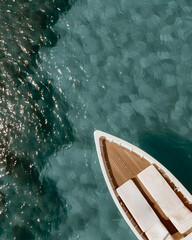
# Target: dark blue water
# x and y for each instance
(68, 68)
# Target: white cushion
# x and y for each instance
(158, 232)
(160, 190)
(137, 205)
(182, 219)
(166, 198)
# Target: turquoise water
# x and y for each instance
(68, 68)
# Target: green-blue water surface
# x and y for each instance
(68, 68)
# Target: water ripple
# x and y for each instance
(33, 121)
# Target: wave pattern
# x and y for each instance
(125, 68)
(33, 121)
(120, 66)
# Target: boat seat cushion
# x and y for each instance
(166, 198)
(137, 205)
(160, 190)
(182, 219)
(158, 232)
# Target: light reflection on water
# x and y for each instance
(122, 67)
(33, 122)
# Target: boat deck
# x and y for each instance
(121, 165)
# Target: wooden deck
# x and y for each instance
(121, 165)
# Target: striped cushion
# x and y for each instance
(166, 198)
(182, 219)
(137, 205)
(160, 190)
(158, 232)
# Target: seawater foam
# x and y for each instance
(122, 67)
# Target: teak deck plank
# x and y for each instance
(124, 164)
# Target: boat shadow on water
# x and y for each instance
(172, 150)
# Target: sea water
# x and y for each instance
(68, 68)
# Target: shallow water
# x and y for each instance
(68, 68)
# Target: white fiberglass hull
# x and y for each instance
(102, 135)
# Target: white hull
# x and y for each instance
(98, 135)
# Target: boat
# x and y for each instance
(153, 202)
